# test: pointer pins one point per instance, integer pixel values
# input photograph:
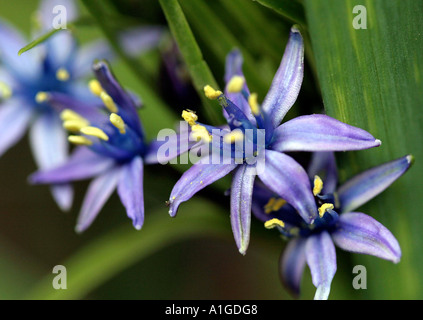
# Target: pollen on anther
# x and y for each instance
(118, 122)
(108, 102)
(318, 185)
(95, 132)
(62, 74)
(235, 84)
(272, 223)
(95, 87)
(211, 93)
(41, 97)
(80, 140)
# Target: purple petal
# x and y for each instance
(99, 191)
(321, 259)
(287, 81)
(82, 164)
(14, 120)
(233, 67)
(323, 164)
(11, 41)
(128, 108)
(360, 233)
(193, 180)
(241, 198)
(140, 39)
(319, 132)
(130, 190)
(368, 184)
(49, 146)
(284, 176)
(292, 263)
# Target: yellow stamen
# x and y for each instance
(235, 84)
(69, 114)
(74, 125)
(252, 101)
(233, 136)
(272, 223)
(62, 74)
(325, 207)
(118, 122)
(95, 87)
(80, 140)
(5, 91)
(200, 132)
(211, 93)
(189, 117)
(41, 97)
(95, 132)
(274, 205)
(318, 185)
(108, 102)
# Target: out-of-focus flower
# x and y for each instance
(264, 142)
(30, 85)
(112, 150)
(337, 222)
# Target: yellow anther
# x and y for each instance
(118, 122)
(211, 93)
(95, 87)
(69, 114)
(189, 117)
(235, 84)
(254, 106)
(274, 205)
(325, 207)
(272, 223)
(62, 74)
(41, 97)
(5, 91)
(318, 185)
(108, 102)
(233, 136)
(200, 132)
(80, 140)
(74, 125)
(95, 132)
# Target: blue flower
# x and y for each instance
(111, 149)
(258, 129)
(337, 223)
(34, 85)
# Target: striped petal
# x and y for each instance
(195, 179)
(360, 233)
(292, 263)
(368, 184)
(49, 146)
(284, 176)
(321, 259)
(319, 132)
(82, 164)
(131, 193)
(241, 198)
(287, 81)
(14, 121)
(99, 191)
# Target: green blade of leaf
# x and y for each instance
(112, 253)
(191, 52)
(372, 78)
(38, 41)
(290, 9)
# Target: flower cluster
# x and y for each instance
(48, 91)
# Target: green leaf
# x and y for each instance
(372, 78)
(191, 52)
(290, 9)
(38, 41)
(112, 253)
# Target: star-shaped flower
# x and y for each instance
(265, 142)
(337, 223)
